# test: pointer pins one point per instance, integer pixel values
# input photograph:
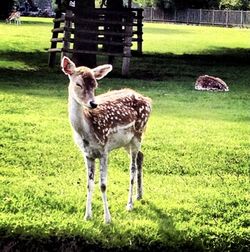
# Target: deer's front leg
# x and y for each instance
(103, 186)
(90, 164)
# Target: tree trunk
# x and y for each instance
(113, 5)
(82, 8)
(5, 8)
(32, 5)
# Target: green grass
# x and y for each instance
(179, 39)
(197, 147)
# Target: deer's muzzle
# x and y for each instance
(92, 104)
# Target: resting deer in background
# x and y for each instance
(15, 16)
(103, 123)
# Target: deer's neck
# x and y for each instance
(77, 118)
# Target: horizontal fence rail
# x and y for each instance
(226, 18)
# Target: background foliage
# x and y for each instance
(7, 5)
(181, 4)
(5, 8)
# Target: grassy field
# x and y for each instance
(197, 147)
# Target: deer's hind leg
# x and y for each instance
(139, 162)
(134, 148)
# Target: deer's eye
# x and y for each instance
(79, 85)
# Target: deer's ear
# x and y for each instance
(68, 66)
(101, 71)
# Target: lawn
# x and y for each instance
(197, 147)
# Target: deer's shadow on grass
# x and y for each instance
(171, 239)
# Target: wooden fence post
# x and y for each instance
(200, 16)
(241, 19)
(139, 31)
(227, 18)
(67, 33)
(127, 46)
(187, 16)
(212, 17)
(52, 55)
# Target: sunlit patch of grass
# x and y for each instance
(183, 39)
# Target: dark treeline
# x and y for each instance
(208, 4)
(7, 5)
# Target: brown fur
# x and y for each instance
(115, 111)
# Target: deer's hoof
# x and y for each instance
(129, 207)
(87, 217)
(107, 219)
(139, 197)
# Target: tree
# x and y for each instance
(235, 4)
(165, 4)
(112, 5)
(222, 4)
(183, 4)
(5, 7)
(82, 10)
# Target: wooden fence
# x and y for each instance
(226, 18)
(107, 38)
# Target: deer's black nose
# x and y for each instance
(92, 104)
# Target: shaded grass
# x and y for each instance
(196, 151)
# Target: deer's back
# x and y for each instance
(119, 111)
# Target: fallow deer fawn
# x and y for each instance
(15, 16)
(103, 123)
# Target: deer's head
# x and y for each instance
(83, 81)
